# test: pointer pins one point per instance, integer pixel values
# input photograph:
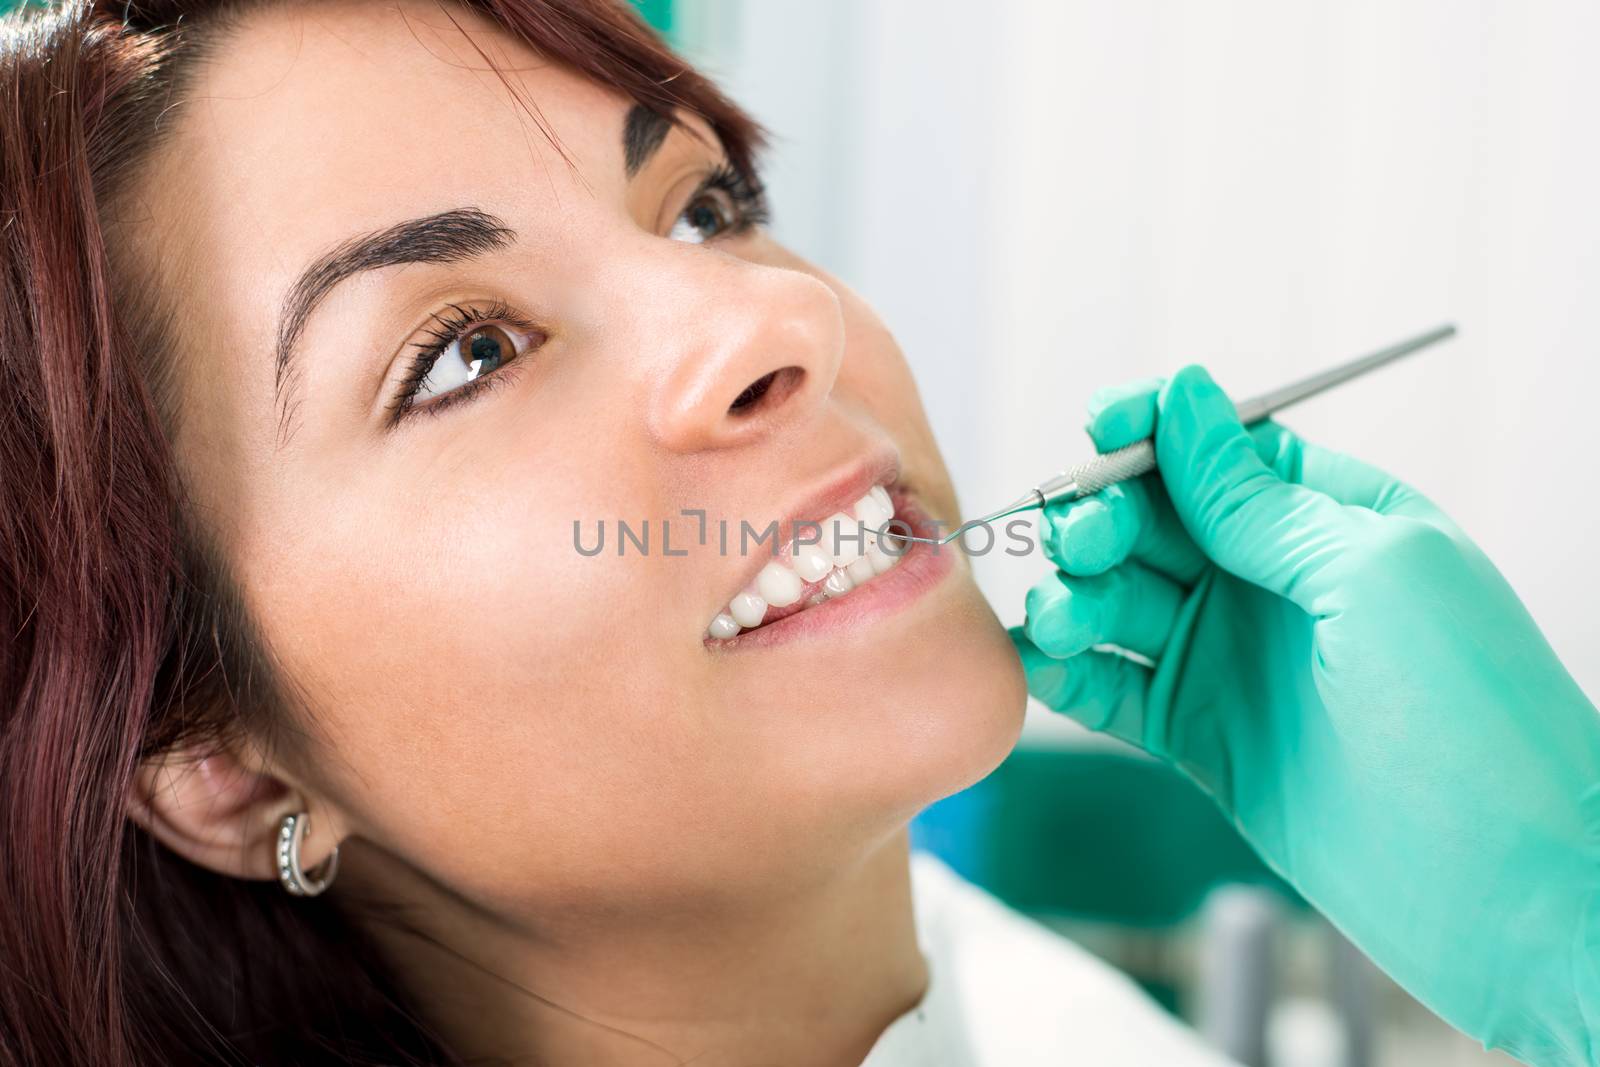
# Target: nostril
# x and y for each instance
(752, 393)
(771, 387)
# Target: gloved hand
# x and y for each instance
(1360, 690)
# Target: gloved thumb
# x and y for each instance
(1249, 521)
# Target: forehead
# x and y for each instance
(299, 100)
(310, 123)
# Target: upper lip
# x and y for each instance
(838, 490)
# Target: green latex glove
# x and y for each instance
(1360, 690)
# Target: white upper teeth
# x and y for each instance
(747, 609)
(811, 562)
(848, 555)
(778, 585)
(871, 513)
(842, 534)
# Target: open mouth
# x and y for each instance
(828, 560)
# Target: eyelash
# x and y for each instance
(744, 191)
(454, 324)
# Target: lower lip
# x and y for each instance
(921, 568)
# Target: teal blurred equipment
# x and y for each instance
(1091, 834)
(658, 13)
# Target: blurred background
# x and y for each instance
(1042, 197)
(1045, 197)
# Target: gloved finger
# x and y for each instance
(1122, 414)
(1101, 690)
(1119, 415)
(1131, 520)
(1130, 606)
(1137, 521)
(1273, 533)
(1345, 478)
(1093, 534)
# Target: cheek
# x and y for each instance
(876, 378)
(487, 690)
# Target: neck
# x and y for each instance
(807, 978)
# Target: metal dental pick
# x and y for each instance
(1140, 457)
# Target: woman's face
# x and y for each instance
(490, 708)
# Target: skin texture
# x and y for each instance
(630, 848)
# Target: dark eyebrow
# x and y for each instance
(642, 133)
(442, 238)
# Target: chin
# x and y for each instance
(958, 695)
(984, 694)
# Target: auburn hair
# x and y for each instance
(119, 634)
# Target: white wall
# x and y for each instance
(1042, 198)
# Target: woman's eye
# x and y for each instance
(705, 218)
(477, 352)
(727, 202)
(465, 355)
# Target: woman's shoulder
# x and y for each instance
(1021, 993)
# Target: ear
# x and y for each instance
(220, 807)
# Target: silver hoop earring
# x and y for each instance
(291, 832)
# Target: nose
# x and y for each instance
(744, 349)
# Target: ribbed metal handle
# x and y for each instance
(1140, 457)
(1109, 469)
